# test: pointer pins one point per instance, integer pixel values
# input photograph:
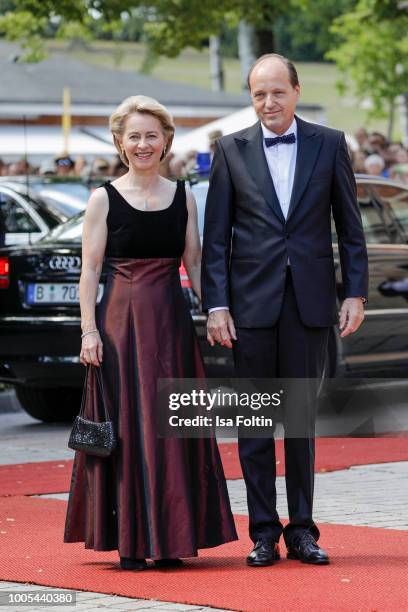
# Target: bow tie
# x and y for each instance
(286, 139)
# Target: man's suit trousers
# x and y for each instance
(287, 350)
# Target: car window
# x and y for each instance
(43, 210)
(393, 199)
(374, 228)
(77, 191)
(15, 218)
(61, 204)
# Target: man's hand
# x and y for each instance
(221, 328)
(351, 316)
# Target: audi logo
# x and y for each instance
(65, 262)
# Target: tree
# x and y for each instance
(245, 49)
(169, 25)
(374, 52)
(303, 32)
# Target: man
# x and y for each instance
(268, 279)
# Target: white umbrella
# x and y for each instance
(198, 139)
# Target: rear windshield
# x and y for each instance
(71, 231)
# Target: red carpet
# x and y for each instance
(368, 570)
(35, 478)
(331, 454)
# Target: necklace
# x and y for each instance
(146, 201)
(146, 195)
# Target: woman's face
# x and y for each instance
(143, 141)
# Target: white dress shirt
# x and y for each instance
(281, 160)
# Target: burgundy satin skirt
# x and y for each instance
(154, 497)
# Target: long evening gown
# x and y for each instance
(154, 497)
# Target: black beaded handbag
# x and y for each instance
(88, 436)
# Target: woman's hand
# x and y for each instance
(91, 349)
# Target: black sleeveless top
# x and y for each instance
(143, 234)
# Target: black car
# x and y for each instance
(40, 319)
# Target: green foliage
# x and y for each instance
(70, 10)
(28, 30)
(303, 32)
(6, 6)
(168, 26)
(173, 25)
(374, 53)
(73, 30)
(132, 27)
(388, 9)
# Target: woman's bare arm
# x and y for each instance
(93, 249)
(192, 251)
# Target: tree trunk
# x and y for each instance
(245, 50)
(391, 117)
(216, 69)
(404, 118)
(264, 42)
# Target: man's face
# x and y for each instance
(273, 96)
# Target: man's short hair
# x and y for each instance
(293, 75)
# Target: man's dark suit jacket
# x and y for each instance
(247, 240)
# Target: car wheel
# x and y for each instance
(50, 405)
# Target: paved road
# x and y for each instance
(375, 495)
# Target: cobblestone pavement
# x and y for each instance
(87, 601)
(375, 495)
(23, 439)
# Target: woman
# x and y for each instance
(156, 498)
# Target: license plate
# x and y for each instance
(56, 293)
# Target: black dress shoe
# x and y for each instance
(168, 563)
(137, 565)
(265, 552)
(306, 549)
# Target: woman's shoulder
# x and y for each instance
(116, 183)
(98, 199)
(172, 189)
(171, 184)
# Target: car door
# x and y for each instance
(18, 223)
(380, 347)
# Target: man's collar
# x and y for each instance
(269, 134)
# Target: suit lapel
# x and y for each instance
(251, 148)
(309, 141)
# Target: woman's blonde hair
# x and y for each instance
(140, 104)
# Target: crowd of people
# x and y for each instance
(66, 166)
(372, 154)
(378, 156)
(173, 166)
